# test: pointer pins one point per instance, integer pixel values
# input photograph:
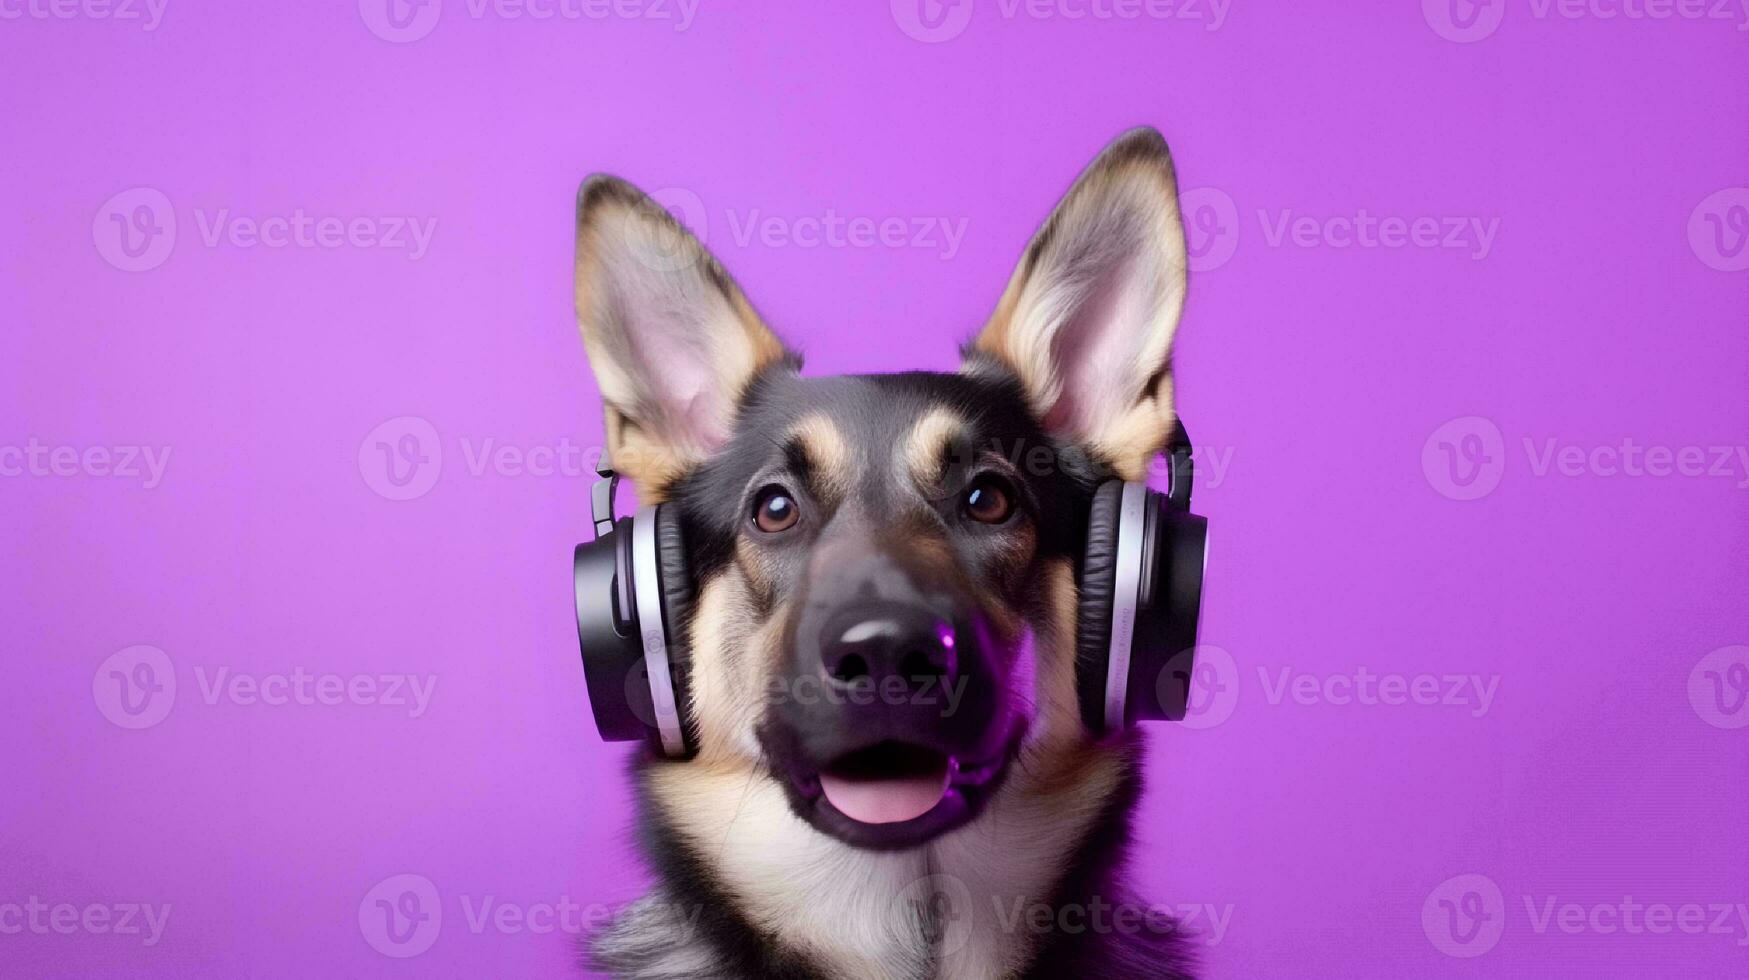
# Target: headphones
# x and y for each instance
(1140, 597)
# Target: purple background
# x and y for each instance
(1604, 309)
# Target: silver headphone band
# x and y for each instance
(647, 584)
(1126, 590)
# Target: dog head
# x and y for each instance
(883, 566)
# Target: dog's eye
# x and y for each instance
(989, 500)
(775, 510)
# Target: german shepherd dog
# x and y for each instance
(889, 774)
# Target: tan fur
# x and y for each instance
(923, 447)
(1113, 248)
(648, 462)
(756, 571)
(734, 656)
(639, 276)
(827, 453)
(1138, 434)
(1057, 742)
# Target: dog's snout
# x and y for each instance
(872, 643)
(887, 643)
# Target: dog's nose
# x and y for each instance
(871, 643)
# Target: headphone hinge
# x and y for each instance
(1181, 457)
(601, 496)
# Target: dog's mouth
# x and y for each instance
(893, 795)
(888, 783)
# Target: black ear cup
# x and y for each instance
(1176, 547)
(607, 630)
(1093, 625)
(633, 597)
(1141, 596)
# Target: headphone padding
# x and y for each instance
(676, 575)
(1093, 621)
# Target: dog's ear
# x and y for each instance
(673, 342)
(1086, 322)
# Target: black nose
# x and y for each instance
(871, 643)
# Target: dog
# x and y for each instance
(879, 765)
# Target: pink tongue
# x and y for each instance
(885, 800)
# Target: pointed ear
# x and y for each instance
(673, 342)
(1086, 323)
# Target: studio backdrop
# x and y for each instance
(297, 434)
